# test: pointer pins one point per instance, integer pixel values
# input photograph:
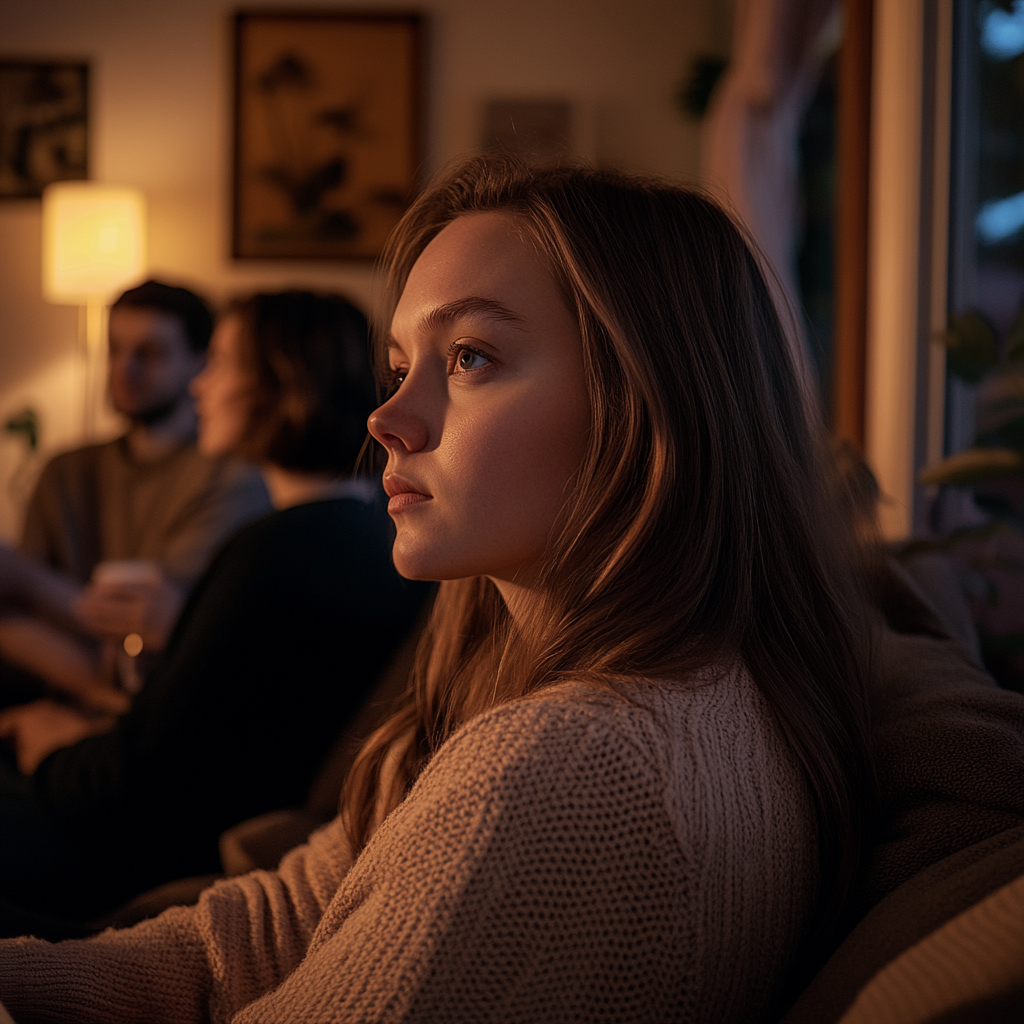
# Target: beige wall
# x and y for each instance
(160, 120)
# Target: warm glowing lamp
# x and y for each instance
(94, 244)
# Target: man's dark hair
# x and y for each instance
(189, 308)
(312, 385)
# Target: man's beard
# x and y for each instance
(154, 415)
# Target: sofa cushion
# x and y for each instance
(913, 911)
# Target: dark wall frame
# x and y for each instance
(44, 131)
(322, 227)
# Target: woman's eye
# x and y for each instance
(466, 359)
(395, 380)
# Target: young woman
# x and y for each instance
(630, 775)
(276, 650)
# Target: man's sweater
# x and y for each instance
(648, 855)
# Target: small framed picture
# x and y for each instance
(327, 141)
(44, 110)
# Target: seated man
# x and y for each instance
(148, 494)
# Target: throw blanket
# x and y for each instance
(949, 745)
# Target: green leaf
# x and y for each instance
(971, 344)
(25, 424)
(972, 466)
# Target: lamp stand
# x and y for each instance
(90, 332)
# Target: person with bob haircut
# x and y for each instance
(631, 772)
(148, 495)
(278, 647)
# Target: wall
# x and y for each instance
(160, 120)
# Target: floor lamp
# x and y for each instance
(93, 245)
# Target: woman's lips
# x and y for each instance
(404, 499)
(402, 493)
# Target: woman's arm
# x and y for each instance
(65, 662)
(191, 964)
(535, 872)
(155, 972)
(531, 834)
(532, 874)
(38, 729)
(33, 584)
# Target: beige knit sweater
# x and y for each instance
(577, 856)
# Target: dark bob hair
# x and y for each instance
(191, 310)
(313, 387)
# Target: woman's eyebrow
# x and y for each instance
(473, 305)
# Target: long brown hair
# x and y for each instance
(700, 525)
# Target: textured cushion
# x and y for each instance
(906, 916)
(967, 964)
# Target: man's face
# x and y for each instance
(151, 363)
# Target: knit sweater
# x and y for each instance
(645, 855)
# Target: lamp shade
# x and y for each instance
(93, 240)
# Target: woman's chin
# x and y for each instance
(212, 446)
(412, 571)
(416, 565)
(211, 451)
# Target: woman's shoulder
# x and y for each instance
(700, 758)
(317, 531)
(689, 724)
(716, 698)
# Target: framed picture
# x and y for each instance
(43, 125)
(327, 132)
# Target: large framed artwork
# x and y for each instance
(43, 125)
(327, 132)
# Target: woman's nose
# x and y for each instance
(397, 426)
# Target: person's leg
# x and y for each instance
(27, 838)
(53, 874)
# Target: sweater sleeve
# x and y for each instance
(61, 527)
(191, 964)
(532, 874)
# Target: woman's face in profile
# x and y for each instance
(222, 392)
(489, 421)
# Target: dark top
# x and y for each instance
(274, 652)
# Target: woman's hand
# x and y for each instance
(114, 610)
(36, 730)
(66, 663)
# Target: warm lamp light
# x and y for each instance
(93, 240)
(93, 245)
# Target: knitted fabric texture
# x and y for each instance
(641, 856)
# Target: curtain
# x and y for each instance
(750, 151)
